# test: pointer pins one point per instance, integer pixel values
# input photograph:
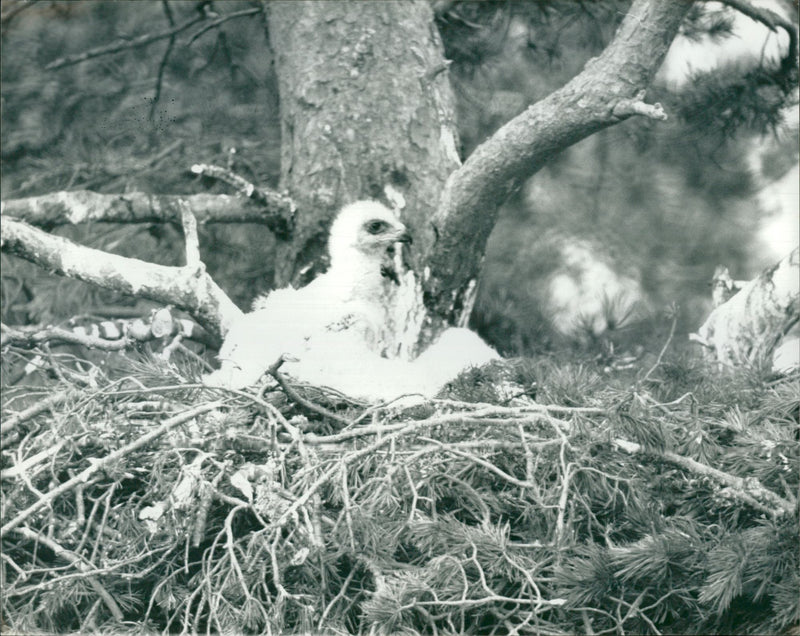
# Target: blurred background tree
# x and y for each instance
(591, 249)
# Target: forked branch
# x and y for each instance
(189, 288)
(609, 89)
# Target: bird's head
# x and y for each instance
(365, 228)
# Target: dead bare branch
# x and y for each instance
(10, 423)
(78, 562)
(107, 335)
(31, 338)
(264, 197)
(187, 288)
(83, 206)
(292, 394)
(748, 489)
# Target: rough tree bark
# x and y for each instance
(609, 89)
(190, 288)
(84, 206)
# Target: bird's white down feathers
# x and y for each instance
(327, 330)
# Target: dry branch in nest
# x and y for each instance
(279, 208)
(107, 335)
(189, 509)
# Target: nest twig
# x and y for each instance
(152, 502)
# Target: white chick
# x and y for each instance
(345, 300)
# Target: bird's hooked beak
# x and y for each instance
(403, 237)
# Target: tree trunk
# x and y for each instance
(366, 110)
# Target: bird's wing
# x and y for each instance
(258, 339)
(342, 360)
(252, 344)
(290, 323)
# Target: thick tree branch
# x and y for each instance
(282, 205)
(191, 238)
(108, 335)
(190, 288)
(30, 338)
(83, 206)
(608, 90)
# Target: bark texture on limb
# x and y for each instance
(747, 328)
(189, 288)
(748, 489)
(85, 206)
(608, 90)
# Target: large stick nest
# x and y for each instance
(137, 500)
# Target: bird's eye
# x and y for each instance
(376, 227)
